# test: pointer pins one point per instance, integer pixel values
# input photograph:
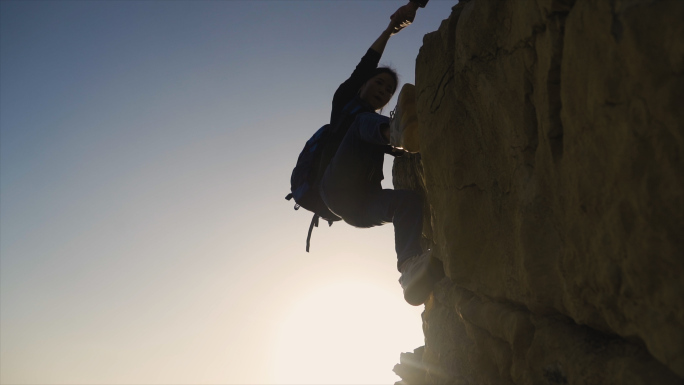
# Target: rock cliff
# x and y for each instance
(552, 157)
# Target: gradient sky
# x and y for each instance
(145, 152)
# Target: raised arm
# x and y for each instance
(380, 43)
(369, 62)
(347, 90)
(392, 29)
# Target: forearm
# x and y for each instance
(385, 131)
(373, 128)
(380, 43)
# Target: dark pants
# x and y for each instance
(370, 205)
(404, 208)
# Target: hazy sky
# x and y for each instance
(145, 152)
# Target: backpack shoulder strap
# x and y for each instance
(314, 222)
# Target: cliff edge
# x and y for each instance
(551, 162)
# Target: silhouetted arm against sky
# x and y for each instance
(347, 90)
(393, 27)
(369, 62)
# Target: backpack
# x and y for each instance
(312, 163)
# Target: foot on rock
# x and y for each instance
(418, 276)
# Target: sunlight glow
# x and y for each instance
(347, 332)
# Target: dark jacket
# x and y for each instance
(357, 166)
(348, 90)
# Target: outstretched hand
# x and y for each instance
(403, 17)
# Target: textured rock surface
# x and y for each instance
(552, 153)
(410, 367)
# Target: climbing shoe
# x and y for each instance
(418, 275)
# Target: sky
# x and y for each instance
(145, 152)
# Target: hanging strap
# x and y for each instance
(314, 222)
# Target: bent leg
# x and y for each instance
(408, 224)
(404, 208)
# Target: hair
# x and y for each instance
(386, 70)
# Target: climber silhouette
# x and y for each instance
(351, 183)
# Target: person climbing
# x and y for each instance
(350, 186)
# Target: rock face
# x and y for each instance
(552, 159)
